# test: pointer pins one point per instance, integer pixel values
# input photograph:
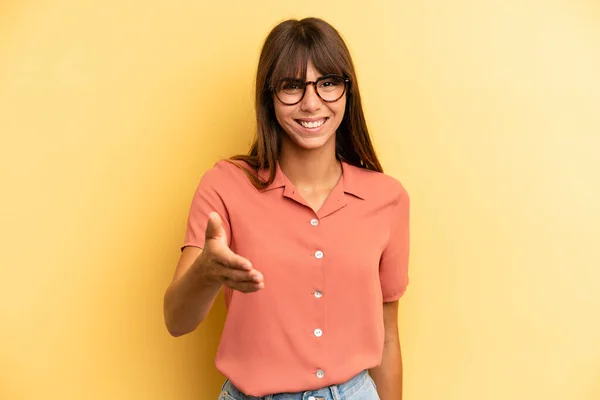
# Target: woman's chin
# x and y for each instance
(312, 142)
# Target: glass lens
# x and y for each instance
(290, 90)
(331, 88)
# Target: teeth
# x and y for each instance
(314, 124)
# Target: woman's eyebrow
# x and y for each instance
(299, 79)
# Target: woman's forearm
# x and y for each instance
(187, 302)
(388, 376)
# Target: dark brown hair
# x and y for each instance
(285, 53)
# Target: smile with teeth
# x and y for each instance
(312, 124)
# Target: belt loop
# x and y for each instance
(335, 393)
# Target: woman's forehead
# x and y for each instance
(311, 73)
(296, 71)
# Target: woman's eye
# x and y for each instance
(290, 86)
(328, 83)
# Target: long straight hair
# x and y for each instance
(286, 53)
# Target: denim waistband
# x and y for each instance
(336, 392)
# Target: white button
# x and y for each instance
(314, 222)
(318, 294)
(319, 254)
(318, 332)
(311, 398)
(320, 373)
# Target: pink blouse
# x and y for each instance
(319, 319)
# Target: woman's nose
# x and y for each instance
(311, 100)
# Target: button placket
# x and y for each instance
(318, 254)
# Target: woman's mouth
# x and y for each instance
(312, 124)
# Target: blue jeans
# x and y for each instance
(361, 387)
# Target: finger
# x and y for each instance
(256, 276)
(214, 227)
(227, 258)
(237, 275)
(245, 287)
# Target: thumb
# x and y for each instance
(214, 227)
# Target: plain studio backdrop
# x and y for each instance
(487, 111)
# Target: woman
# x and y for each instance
(307, 236)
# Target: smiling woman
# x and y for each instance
(309, 120)
(294, 52)
(311, 297)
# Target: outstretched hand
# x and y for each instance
(221, 265)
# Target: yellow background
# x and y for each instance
(487, 111)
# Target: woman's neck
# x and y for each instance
(310, 169)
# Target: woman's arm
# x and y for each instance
(189, 298)
(388, 376)
(199, 276)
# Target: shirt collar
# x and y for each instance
(280, 178)
(350, 180)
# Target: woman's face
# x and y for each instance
(312, 123)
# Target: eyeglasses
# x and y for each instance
(329, 88)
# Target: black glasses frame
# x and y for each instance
(314, 83)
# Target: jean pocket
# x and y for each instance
(226, 396)
(373, 382)
(375, 394)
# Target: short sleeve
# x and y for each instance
(209, 197)
(393, 266)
